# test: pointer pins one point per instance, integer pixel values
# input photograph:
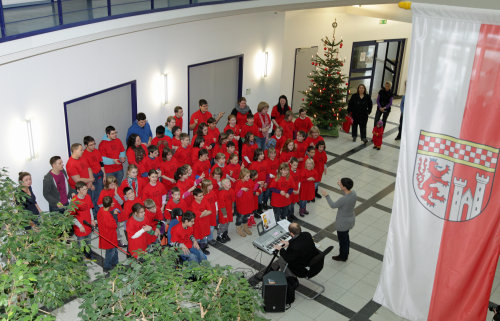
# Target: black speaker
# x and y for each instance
(274, 291)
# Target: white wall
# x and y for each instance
(36, 87)
(305, 28)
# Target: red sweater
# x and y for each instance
(77, 167)
(307, 189)
(155, 193)
(200, 167)
(168, 169)
(248, 151)
(244, 199)
(252, 129)
(201, 224)
(93, 159)
(296, 179)
(211, 200)
(236, 129)
(303, 124)
(82, 213)
(183, 155)
(261, 168)
(320, 160)
(182, 235)
(202, 118)
(172, 205)
(140, 243)
(226, 201)
(107, 228)
(282, 184)
(131, 154)
(233, 170)
(111, 149)
(288, 128)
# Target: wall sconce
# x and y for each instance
(164, 97)
(265, 62)
(31, 144)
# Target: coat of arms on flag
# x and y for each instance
(453, 177)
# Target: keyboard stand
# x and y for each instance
(259, 276)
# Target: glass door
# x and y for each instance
(362, 65)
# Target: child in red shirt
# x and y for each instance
(82, 213)
(183, 238)
(248, 150)
(220, 147)
(295, 173)
(174, 204)
(94, 159)
(183, 153)
(278, 138)
(153, 215)
(260, 166)
(216, 177)
(314, 137)
(198, 144)
(130, 200)
(249, 127)
(244, 202)
(113, 153)
(220, 162)
(303, 123)
(289, 151)
(231, 124)
(287, 125)
(281, 188)
(320, 160)
(161, 140)
(138, 229)
(176, 140)
(210, 194)
(230, 149)
(212, 133)
(272, 165)
(226, 199)
(168, 168)
(155, 190)
(257, 192)
(307, 186)
(378, 133)
(131, 180)
(107, 231)
(201, 209)
(202, 164)
(152, 161)
(233, 168)
(185, 183)
(300, 146)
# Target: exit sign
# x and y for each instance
(383, 21)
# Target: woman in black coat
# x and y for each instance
(360, 106)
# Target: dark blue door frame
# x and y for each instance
(133, 98)
(240, 78)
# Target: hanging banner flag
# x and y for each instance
(444, 237)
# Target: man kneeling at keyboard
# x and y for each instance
(297, 252)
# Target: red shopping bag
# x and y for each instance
(346, 125)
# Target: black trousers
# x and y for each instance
(400, 124)
(361, 122)
(344, 244)
(384, 117)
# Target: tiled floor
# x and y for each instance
(349, 286)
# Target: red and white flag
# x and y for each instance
(444, 237)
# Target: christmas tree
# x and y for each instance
(325, 99)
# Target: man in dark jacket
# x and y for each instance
(297, 252)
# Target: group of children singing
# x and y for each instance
(179, 190)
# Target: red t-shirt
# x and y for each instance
(307, 188)
(127, 209)
(212, 136)
(275, 114)
(310, 140)
(151, 217)
(176, 143)
(272, 165)
(286, 155)
(241, 119)
(155, 193)
(168, 169)
(183, 155)
(303, 124)
(233, 170)
(320, 160)
(148, 164)
(296, 180)
(248, 151)
(236, 129)
(131, 154)
(172, 205)
(178, 122)
(282, 184)
(111, 149)
(226, 201)
(252, 129)
(244, 199)
(107, 228)
(201, 224)
(261, 168)
(82, 213)
(76, 167)
(202, 118)
(279, 142)
(211, 199)
(93, 159)
(288, 128)
(159, 142)
(140, 243)
(182, 235)
(300, 148)
(137, 186)
(200, 167)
